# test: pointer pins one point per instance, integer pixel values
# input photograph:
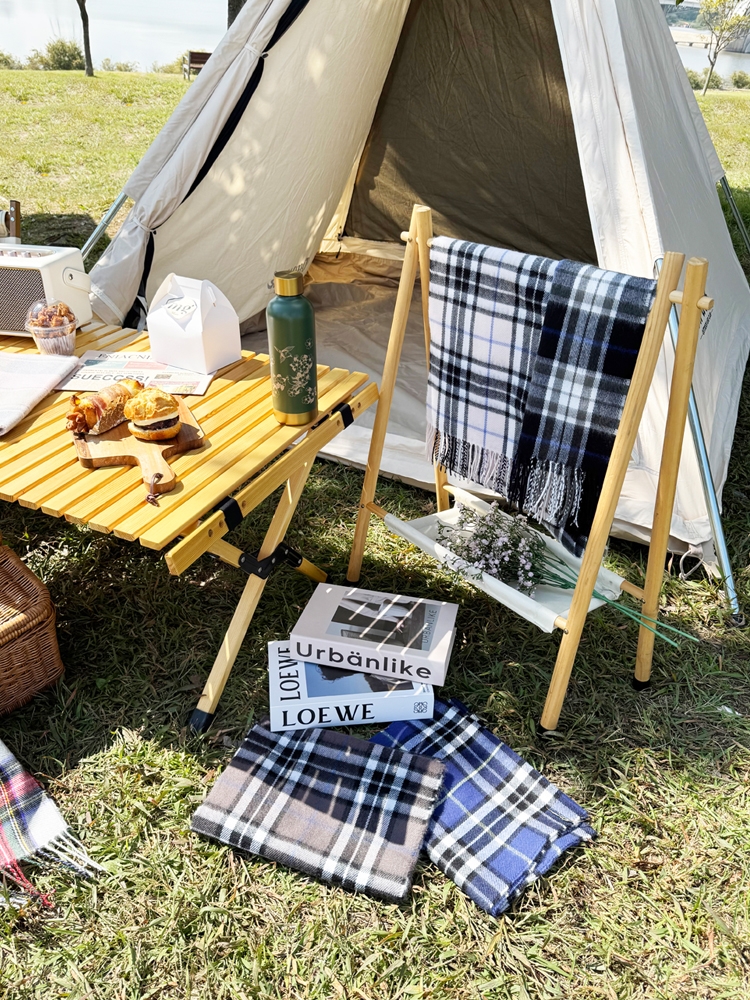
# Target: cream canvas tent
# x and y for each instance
(562, 127)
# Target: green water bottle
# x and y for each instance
(291, 345)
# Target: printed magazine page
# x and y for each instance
(366, 630)
(98, 369)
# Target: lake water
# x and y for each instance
(142, 31)
(148, 31)
(697, 59)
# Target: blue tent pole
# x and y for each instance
(729, 195)
(108, 216)
(709, 489)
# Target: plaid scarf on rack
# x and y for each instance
(498, 823)
(332, 806)
(32, 829)
(486, 309)
(592, 331)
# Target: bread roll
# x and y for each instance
(154, 415)
(98, 412)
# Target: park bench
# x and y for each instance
(193, 62)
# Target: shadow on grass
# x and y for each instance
(138, 645)
(65, 230)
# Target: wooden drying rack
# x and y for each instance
(693, 302)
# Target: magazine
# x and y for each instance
(98, 369)
(406, 638)
(304, 694)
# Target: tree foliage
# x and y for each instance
(7, 61)
(58, 54)
(233, 9)
(108, 66)
(725, 20)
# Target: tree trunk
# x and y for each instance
(711, 64)
(86, 41)
(233, 9)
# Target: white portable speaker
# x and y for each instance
(29, 273)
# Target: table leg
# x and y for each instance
(203, 715)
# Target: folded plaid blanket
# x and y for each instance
(592, 331)
(332, 806)
(498, 824)
(486, 310)
(32, 829)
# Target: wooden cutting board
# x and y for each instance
(119, 447)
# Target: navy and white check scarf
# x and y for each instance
(486, 310)
(592, 331)
(333, 806)
(498, 824)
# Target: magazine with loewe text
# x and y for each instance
(404, 638)
(311, 694)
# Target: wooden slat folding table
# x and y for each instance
(246, 457)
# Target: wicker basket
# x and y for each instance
(29, 656)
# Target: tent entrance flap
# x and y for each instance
(475, 120)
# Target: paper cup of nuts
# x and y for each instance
(52, 324)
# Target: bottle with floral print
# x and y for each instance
(291, 346)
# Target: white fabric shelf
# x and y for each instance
(543, 607)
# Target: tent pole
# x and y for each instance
(709, 489)
(111, 212)
(729, 195)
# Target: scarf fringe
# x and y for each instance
(469, 461)
(548, 492)
(65, 852)
(70, 853)
(11, 872)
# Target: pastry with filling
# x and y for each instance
(154, 415)
(97, 412)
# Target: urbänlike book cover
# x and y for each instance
(404, 638)
(306, 694)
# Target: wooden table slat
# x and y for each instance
(197, 470)
(39, 467)
(161, 532)
(204, 407)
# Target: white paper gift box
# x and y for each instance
(192, 324)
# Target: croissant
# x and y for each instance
(101, 411)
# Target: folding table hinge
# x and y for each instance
(346, 413)
(263, 567)
(232, 512)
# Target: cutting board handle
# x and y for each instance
(151, 462)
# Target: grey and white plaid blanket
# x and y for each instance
(498, 824)
(592, 331)
(333, 806)
(486, 310)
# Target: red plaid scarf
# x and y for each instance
(32, 829)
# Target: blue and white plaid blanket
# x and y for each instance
(498, 824)
(592, 330)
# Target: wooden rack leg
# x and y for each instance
(679, 394)
(441, 481)
(203, 715)
(387, 385)
(618, 464)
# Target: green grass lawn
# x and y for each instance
(659, 907)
